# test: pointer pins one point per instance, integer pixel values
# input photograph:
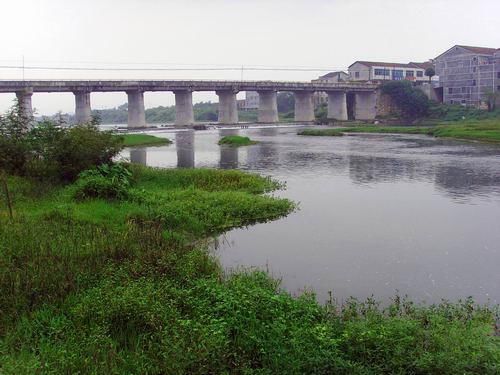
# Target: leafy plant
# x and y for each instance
(412, 102)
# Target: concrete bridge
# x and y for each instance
(364, 94)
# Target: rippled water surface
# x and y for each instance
(378, 213)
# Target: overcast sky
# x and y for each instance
(329, 34)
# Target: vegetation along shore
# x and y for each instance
(104, 268)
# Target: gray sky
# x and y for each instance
(195, 33)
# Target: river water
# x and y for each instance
(379, 214)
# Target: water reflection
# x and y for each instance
(184, 143)
(138, 155)
(377, 213)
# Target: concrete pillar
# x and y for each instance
(304, 108)
(24, 100)
(139, 155)
(83, 112)
(228, 109)
(337, 105)
(366, 106)
(136, 113)
(268, 107)
(184, 114)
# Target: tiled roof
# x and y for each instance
(333, 74)
(480, 50)
(423, 65)
(386, 64)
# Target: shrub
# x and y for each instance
(106, 182)
(50, 152)
(412, 102)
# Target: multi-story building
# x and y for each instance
(384, 71)
(332, 77)
(468, 74)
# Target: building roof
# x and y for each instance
(423, 65)
(333, 74)
(386, 64)
(478, 50)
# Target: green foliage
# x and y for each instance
(321, 114)
(236, 141)
(412, 102)
(321, 132)
(132, 140)
(47, 151)
(286, 102)
(106, 182)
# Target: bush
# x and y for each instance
(50, 152)
(106, 182)
(412, 102)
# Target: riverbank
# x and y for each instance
(485, 130)
(127, 286)
(134, 140)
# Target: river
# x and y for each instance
(379, 214)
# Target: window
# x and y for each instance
(450, 90)
(473, 82)
(356, 74)
(397, 74)
(381, 72)
(473, 69)
(498, 88)
(498, 75)
(410, 73)
(420, 73)
(464, 89)
(452, 102)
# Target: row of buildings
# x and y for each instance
(464, 75)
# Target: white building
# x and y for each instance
(251, 100)
(383, 71)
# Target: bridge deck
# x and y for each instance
(8, 86)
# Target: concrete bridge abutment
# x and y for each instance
(83, 112)
(136, 112)
(337, 105)
(366, 106)
(228, 108)
(304, 108)
(268, 107)
(184, 114)
(25, 106)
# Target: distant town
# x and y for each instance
(463, 75)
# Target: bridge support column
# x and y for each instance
(24, 100)
(304, 108)
(136, 113)
(184, 108)
(366, 106)
(228, 109)
(83, 112)
(268, 107)
(337, 105)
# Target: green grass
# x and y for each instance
(321, 132)
(236, 141)
(113, 287)
(486, 130)
(133, 140)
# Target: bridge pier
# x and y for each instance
(268, 107)
(365, 107)
(184, 114)
(228, 109)
(337, 105)
(136, 113)
(304, 108)
(83, 113)
(25, 106)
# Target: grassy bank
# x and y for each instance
(132, 140)
(321, 132)
(126, 285)
(487, 130)
(236, 141)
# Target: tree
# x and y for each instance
(491, 99)
(430, 72)
(412, 102)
